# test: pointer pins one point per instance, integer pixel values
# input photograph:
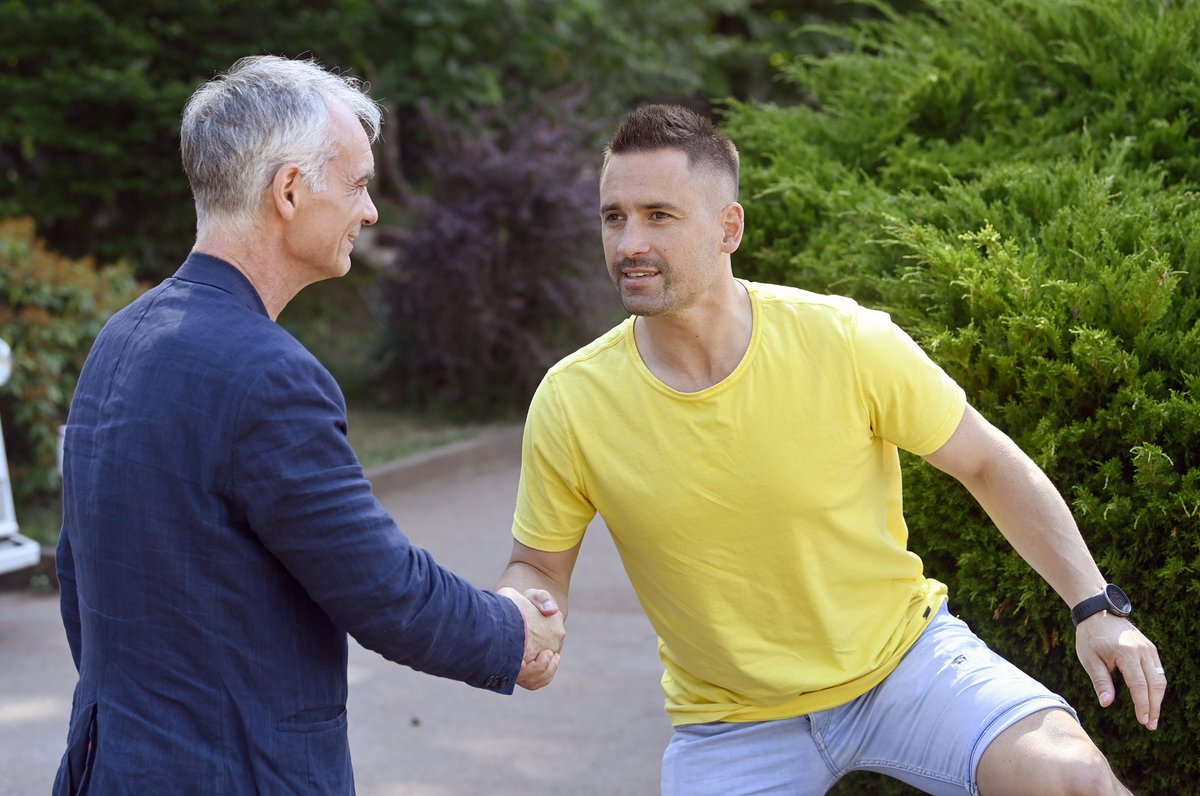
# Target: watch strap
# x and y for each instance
(1089, 607)
(1112, 599)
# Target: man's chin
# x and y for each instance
(641, 305)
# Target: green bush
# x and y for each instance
(1013, 181)
(51, 308)
(92, 90)
(92, 93)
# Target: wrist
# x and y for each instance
(514, 597)
(1111, 600)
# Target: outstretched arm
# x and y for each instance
(544, 578)
(1033, 517)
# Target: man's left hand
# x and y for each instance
(1103, 643)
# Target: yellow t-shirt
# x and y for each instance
(759, 520)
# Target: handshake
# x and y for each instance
(544, 634)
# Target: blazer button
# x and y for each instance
(496, 681)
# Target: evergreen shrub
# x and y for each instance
(92, 92)
(51, 309)
(1015, 182)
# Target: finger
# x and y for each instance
(1139, 688)
(547, 674)
(532, 669)
(551, 669)
(1157, 679)
(544, 601)
(1102, 681)
(538, 673)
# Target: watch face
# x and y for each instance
(1118, 600)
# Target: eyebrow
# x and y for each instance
(656, 205)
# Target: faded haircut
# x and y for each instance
(240, 127)
(654, 127)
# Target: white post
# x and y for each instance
(62, 439)
(16, 552)
(8, 519)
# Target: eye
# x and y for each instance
(611, 218)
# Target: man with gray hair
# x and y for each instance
(219, 540)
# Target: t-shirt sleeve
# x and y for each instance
(553, 509)
(911, 401)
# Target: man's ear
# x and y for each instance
(285, 190)
(733, 221)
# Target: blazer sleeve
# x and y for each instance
(303, 492)
(68, 595)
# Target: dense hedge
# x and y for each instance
(92, 90)
(51, 308)
(1014, 181)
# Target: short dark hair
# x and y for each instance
(653, 127)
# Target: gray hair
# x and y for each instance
(241, 126)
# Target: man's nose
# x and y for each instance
(632, 241)
(371, 214)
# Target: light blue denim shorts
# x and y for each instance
(928, 724)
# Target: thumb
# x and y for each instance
(544, 601)
(1102, 681)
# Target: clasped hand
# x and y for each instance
(544, 634)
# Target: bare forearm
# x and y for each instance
(1033, 517)
(522, 576)
(1024, 505)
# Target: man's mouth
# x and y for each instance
(634, 272)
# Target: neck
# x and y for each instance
(696, 349)
(267, 278)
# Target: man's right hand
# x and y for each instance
(544, 634)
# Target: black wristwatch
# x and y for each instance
(1112, 599)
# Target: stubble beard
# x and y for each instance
(642, 303)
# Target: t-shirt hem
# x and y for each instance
(811, 703)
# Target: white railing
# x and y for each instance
(16, 551)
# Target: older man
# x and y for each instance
(219, 539)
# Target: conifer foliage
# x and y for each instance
(1015, 182)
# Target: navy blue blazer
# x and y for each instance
(218, 542)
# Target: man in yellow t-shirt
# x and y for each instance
(740, 441)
